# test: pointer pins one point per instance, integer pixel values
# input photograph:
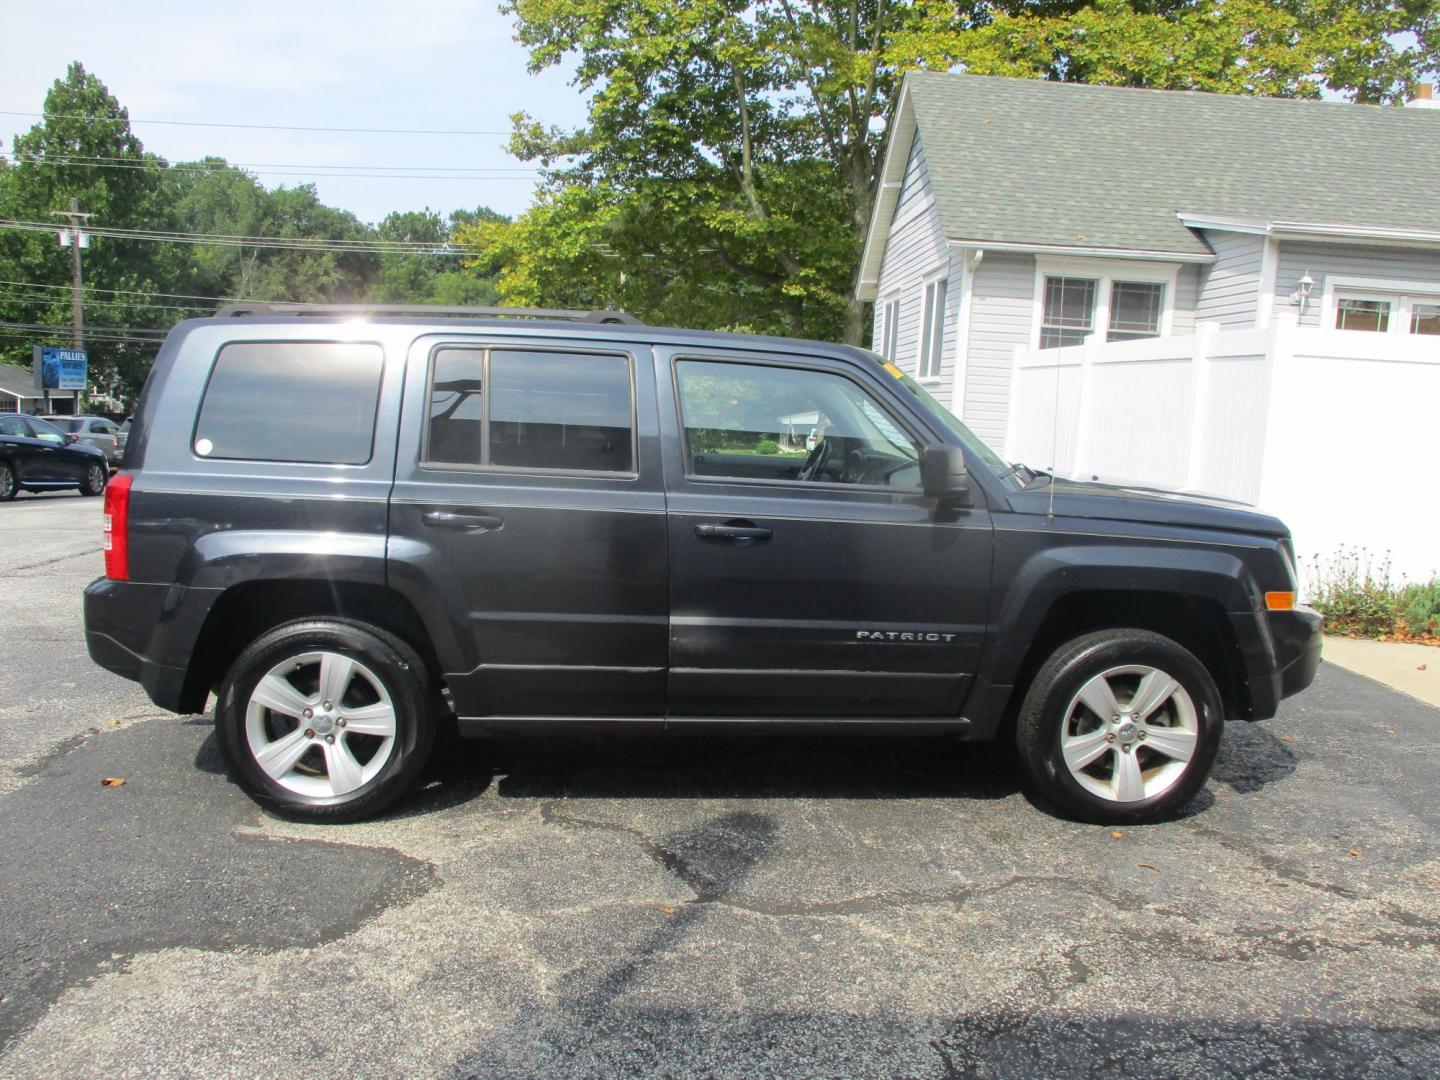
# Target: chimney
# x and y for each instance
(1424, 97)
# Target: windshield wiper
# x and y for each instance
(1032, 474)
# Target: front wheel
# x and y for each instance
(326, 720)
(9, 486)
(95, 479)
(1120, 727)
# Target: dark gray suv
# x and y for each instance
(355, 524)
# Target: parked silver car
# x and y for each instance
(96, 431)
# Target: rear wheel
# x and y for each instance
(326, 720)
(95, 478)
(9, 486)
(1120, 727)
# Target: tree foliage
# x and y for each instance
(728, 167)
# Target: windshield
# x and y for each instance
(972, 441)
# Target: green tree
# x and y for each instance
(439, 278)
(728, 167)
(53, 162)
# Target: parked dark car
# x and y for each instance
(351, 523)
(98, 431)
(37, 456)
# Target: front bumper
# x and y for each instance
(1281, 653)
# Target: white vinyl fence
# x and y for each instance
(1335, 432)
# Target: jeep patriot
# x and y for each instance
(356, 526)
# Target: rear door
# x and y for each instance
(532, 509)
(809, 576)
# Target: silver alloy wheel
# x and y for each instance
(1129, 733)
(7, 483)
(95, 479)
(321, 724)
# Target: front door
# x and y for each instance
(534, 514)
(809, 576)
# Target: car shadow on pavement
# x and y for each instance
(713, 766)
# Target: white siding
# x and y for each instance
(1346, 260)
(916, 249)
(1187, 292)
(1230, 293)
(1002, 311)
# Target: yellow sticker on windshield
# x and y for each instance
(893, 370)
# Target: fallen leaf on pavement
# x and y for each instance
(1420, 667)
(112, 781)
(668, 910)
(1117, 835)
(1148, 866)
(1354, 852)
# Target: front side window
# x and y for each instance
(755, 422)
(1135, 308)
(932, 329)
(531, 409)
(14, 427)
(1353, 313)
(1068, 315)
(310, 402)
(46, 431)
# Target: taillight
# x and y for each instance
(115, 524)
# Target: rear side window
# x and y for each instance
(531, 409)
(305, 401)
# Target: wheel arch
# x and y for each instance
(245, 611)
(1184, 594)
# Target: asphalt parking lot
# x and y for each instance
(695, 907)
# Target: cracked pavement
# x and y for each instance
(697, 906)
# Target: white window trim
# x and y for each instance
(1403, 295)
(882, 305)
(1106, 272)
(940, 272)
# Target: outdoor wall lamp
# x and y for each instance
(1301, 295)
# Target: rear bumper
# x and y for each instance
(1281, 651)
(147, 633)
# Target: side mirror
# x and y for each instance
(943, 475)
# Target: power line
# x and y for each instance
(90, 302)
(41, 158)
(207, 170)
(141, 292)
(364, 246)
(255, 127)
(98, 329)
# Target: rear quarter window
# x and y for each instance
(309, 402)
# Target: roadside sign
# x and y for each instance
(61, 368)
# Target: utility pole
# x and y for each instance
(77, 240)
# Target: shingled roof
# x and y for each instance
(1030, 162)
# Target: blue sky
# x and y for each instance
(429, 64)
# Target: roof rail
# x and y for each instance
(571, 314)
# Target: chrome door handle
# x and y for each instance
(471, 523)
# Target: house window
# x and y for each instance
(932, 331)
(890, 331)
(1068, 317)
(1353, 313)
(1425, 319)
(1135, 308)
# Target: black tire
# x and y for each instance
(1046, 715)
(96, 477)
(390, 660)
(9, 483)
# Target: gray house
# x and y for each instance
(1020, 215)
